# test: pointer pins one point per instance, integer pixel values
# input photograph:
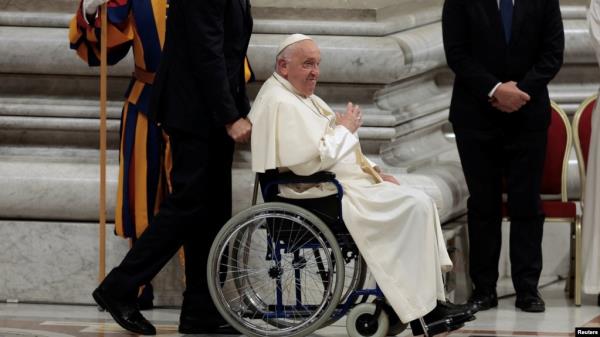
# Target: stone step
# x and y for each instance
(54, 184)
(369, 60)
(381, 16)
(347, 59)
(364, 20)
(35, 19)
(61, 183)
(331, 9)
(403, 21)
(61, 87)
(56, 131)
(39, 6)
(33, 106)
(21, 48)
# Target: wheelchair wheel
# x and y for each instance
(356, 273)
(280, 277)
(361, 321)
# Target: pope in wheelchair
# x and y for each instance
(292, 265)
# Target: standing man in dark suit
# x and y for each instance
(503, 53)
(199, 98)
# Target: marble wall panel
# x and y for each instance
(578, 48)
(555, 250)
(21, 53)
(417, 148)
(53, 188)
(361, 21)
(443, 182)
(58, 262)
(38, 5)
(343, 59)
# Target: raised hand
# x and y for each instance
(352, 119)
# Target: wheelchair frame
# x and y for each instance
(369, 319)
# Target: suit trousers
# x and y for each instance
(495, 161)
(190, 216)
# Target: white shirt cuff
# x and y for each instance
(491, 93)
(85, 9)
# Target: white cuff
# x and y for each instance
(89, 9)
(491, 93)
(85, 17)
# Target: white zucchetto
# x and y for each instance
(294, 38)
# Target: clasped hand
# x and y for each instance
(352, 119)
(240, 130)
(509, 98)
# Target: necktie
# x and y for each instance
(506, 13)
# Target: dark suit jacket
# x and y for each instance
(479, 56)
(200, 83)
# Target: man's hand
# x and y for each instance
(509, 98)
(389, 178)
(352, 119)
(239, 130)
(90, 7)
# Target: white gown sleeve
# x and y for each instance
(334, 145)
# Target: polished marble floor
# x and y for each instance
(559, 320)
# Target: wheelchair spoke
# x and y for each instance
(278, 272)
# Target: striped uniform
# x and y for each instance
(140, 25)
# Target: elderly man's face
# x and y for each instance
(302, 70)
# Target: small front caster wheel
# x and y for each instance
(361, 322)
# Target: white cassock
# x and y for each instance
(396, 228)
(591, 212)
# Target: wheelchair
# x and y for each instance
(288, 267)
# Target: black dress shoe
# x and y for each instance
(445, 317)
(454, 313)
(483, 300)
(530, 302)
(125, 314)
(434, 328)
(454, 308)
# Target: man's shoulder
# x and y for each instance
(274, 92)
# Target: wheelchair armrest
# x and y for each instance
(292, 178)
